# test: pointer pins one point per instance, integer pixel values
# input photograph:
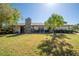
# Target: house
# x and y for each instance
(30, 27)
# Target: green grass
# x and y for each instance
(26, 44)
(74, 40)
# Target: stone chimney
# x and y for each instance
(28, 25)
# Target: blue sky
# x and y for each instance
(40, 12)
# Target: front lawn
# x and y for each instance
(26, 44)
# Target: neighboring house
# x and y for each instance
(30, 27)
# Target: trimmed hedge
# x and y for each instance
(64, 31)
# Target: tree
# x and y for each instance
(58, 46)
(53, 22)
(8, 16)
(76, 27)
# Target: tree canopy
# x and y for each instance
(54, 21)
(8, 15)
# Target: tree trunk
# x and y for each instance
(0, 28)
(54, 35)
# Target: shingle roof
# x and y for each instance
(20, 24)
(32, 24)
(40, 24)
(37, 23)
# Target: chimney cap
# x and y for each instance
(28, 18)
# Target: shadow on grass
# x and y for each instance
(59, 35)
(14, 35)
(56, 48)
(2, 35)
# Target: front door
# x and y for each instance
(22, 29)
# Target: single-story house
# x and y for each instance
(29, 27)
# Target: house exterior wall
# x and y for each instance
(40, 28)
(16, 29)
